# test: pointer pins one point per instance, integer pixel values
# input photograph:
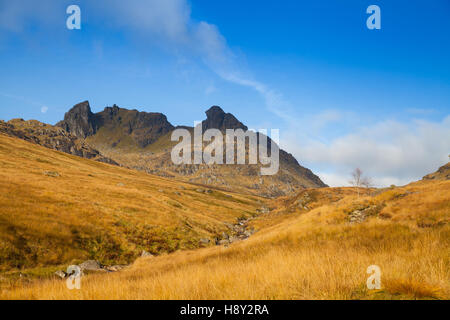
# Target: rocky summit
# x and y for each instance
(218, 119)
(142, 141)
(116, 125)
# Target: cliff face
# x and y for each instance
(79, 121)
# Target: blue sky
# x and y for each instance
(343, 96)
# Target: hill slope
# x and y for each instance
(443, 173)
(57, 208)
(310, 247)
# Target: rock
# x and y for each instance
(143, 128)
(146, 254)
(120, 184)
(264, 210)
(53, 174)
(223, 242)
(61, 274)
(177, 193)
(229, 225)
(115, 268)
(90, 265)
(247, 233)
(52, 137)
(216, 118)
(200, 190)
(204, 241)
(79, 121)
(360, 215)
(208, 191)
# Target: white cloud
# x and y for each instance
(390, 152)
(44, 109)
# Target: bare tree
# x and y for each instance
(359, 180)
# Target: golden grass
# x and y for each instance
(92, 210)
(315, 254)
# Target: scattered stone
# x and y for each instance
(360, 215)
(233, 239)
(146, 254)
(223, 242)
(90, 265)
(115, 268)
(61, 274)
(53, 174)
(264, 210)
(229, 225)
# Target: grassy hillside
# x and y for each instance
(310, 247)
(57, 209)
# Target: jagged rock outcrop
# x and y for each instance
(51, 137)
(143, 128)
(218, 119)
(79, 121)
(116, 124)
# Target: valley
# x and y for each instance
(308, 246)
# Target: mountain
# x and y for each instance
(141, 141)
(134, 127)
(443, 173)
(216, 118)
(51, 137)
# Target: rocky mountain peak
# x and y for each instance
(117, 124)
(79, 121)
(216, 118)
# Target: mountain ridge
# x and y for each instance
(141, 140)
